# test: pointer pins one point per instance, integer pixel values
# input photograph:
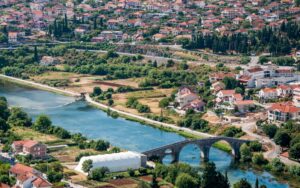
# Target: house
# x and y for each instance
(244, 106)
(158, 36)
(268, 93)
(267, 76)
(217, 86)
(219, 76)
(48, 61)
(283, 112)
(29, 147)
(226, 99)
(296, 96)
(13, 37)
(284, 91)
(28, 177)
(187, 99)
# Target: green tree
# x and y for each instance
(54, 176)
(256, 183)
(42, 123)
(97, 91)
(255, 146)
(230, 83)
(243, 183)
(259, 159)
(270, 130)
(98, 174)
(154, 182)
(276, 165)
(110, 102)
(130, 172)
(185, 180)
(212, 178)
(36, 56)
(3, 125)
(87, 165)
(19, 118)
(246, 154)
(282, 138)
(294, 151)
(4, 111)
(163, 103)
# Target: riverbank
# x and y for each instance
(165, 126)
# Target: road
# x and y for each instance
(249, 127)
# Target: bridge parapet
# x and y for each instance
(203, 144)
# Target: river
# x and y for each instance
(78, 116)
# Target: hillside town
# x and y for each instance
(127, 20)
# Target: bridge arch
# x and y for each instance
(204, 145)
(191, 149)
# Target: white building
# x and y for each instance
(268, 76)
(116, 162)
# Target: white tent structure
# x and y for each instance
(115, 162)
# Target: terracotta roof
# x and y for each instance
(269, 90)
(287, 107)
(245, 102)
(3, 185)
(255, 69)
(21, 169)
(40, 182)
(25, 143)
(228, 92)
(244, 78)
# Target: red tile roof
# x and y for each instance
(21, 169)
(287, 107)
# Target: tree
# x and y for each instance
(270, 130)
(276, 165)
(87, 165)
(42, 123)
(297, 3)
(255, 146)
(185, 180)
(54, 176)
(36, 56)
(243, 183)
(130, 172)
(170, 63)
(163, 103)
(3, 125)
(4, 111)
(101, 145)
(97, 91)
(259, 159)
(212, 178)
(246, 154)
(154, 183)
(19, 118)
(256, 183)
(110, 102)
(282, 138)
(294, 151)
(230, 83)
(98, 173)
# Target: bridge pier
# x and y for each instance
(204, 153)
(175, 156)
(236, 151)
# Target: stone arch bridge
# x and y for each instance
(203, 144)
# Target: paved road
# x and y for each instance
(249, 127)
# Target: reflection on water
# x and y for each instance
(95, 124)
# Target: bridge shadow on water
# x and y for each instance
(190, 154)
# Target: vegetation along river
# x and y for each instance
(78, 116)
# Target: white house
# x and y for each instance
(268, 93)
